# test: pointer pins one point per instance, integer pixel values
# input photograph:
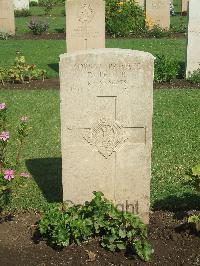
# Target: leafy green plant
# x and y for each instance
(23, 13)
(195, 219)
(194, 77)
(193, 176)
(33, 3)
(166, 68)
(124, 18)
(157, 32)
(4, 35)
(37, 26)
(117, 230)
(20, 71)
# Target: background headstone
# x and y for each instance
(36, 1)
(7, 19)
(193, 47)
(141, 3)
(184, 5)
(106, 119)
(21, 4)
(85, 26)
(158, 11)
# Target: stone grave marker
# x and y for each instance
(7, 19)
(193, 44)
(106, 126)
(85, 25)
(184, 6)
(141, 3)
(21, 4)
(158, 12)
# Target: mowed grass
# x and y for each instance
(45, 53)
(176, 147)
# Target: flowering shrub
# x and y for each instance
(37, 26)
(20, 71)
(10, 170)
(124, 18)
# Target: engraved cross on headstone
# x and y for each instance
(108, 135)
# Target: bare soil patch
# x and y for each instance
(54, 83)
(62, 36)
(173, 241)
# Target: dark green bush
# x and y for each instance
(4, 35)
(194, 77)
(33, 3)
(117, 230)
(37, 26)
(23, 13)
(123, 18)
(157, 32)
(166, 69)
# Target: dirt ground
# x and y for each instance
(62, 36)
(53, 83)
(173, 241)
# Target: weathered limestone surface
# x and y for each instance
(158, 11)
(7, 20)
(185, 5)
(193, 47)
(21, 4)
(85, 25)
(106, 121)
(141, 3)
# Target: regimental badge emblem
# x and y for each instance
(106, 136)
(86, 13)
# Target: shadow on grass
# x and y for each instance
(47, 172)
(181, 71)
(54, 67)
(173, 203)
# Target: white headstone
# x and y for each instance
(106, 120)
(21, 4)
(85, 26)
(184, 6)
(7, 19)
(141, 3)
(158, 13)
(193, 46)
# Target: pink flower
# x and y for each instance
(24, 119)
(9, 174)
(4, 136)
(2, 106)
(25, 175)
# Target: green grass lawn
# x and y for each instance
(45, 54)
(176, 147)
